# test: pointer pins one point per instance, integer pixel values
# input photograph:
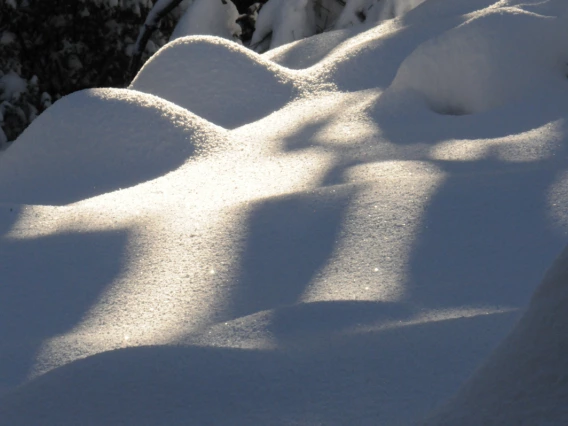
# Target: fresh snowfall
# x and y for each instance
(357, 227)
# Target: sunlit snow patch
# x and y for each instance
(216, 79)
(534, 145)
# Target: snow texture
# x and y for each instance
(229, 96)
(525, 381)
(105, 139)
(340, 231)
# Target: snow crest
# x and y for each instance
(100, 140)
(229, 85)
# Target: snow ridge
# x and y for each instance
(101, 140)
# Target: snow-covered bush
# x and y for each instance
(51, 48)
(259, 24)
(209, 17)
(266, 24)
(371, 11)
(284, 21)
(234, 20)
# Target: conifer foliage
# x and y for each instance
(51, 48)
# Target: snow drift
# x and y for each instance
(478, 65)
(100, 140)
(348, 253)
(218, 80)
(525, 381)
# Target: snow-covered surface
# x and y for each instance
(525, 381)
(100, 142)
(308, 237)
(220, 81)
(493, 78)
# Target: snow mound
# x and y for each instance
(100, 140)
(492, 59)
(221, 81)
(525, 381)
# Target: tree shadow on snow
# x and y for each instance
(486, 231)
(37, 274)
(488, 234)
(289, 239)
(364, 378)
(393, 111)
(487, 227)
(483, 231)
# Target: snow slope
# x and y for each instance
(339, 231)
(524, 382)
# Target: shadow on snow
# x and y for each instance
(38, 274)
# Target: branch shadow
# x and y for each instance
(47, 284)
(361, 377)
(289, 239)
(487, 227)
(486, 233)
(393, 110)
(395, 140)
